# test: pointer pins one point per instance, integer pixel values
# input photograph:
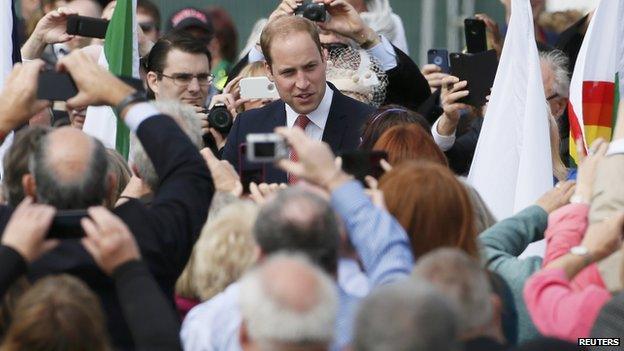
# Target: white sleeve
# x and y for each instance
(616, 147)
(384, 52)
(255, 55)
(445, 142)
(139, 113)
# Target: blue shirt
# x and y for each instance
(384, 250)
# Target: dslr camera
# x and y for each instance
(220, 118)
(312, 11)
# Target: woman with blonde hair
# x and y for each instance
(224, 251)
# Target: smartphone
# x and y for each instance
(476, 40)
(268, 147)
(91, 27)
(248, 175)
(479, 70)
(258, 88)
(363, 163)
(66, 224)
(440, 58)
(56, 86)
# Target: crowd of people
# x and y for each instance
(188, 245)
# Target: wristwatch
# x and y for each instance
(137, 96)
(582, 251)
(578, 199)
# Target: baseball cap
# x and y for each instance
(190, 17)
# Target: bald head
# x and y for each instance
(69, 170)
(72, 150)
(287, 303)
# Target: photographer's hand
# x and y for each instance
(51, 29)
(108, 240)
(27, 229)
(452, 91)
(18, 99)
(316, 161)
(346, 21)
(285, 8)
(96, 85)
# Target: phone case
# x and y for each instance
(476, 40)
(258, 88)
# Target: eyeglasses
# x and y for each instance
(184, 79)
(147, 26)
(555, 95)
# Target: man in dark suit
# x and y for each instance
(70, 170)
(406, 84)
(295, 62)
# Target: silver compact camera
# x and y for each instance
(268, 147)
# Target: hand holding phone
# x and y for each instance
(479, 70)
(266, 147)
(440, 58)
(90, 27)
(56, 86)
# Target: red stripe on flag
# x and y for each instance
(575, 127)
(595, 114)
(598, 92)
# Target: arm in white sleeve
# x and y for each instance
(138, 113)
(445, 142)
(384, 52)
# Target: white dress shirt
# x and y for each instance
(318, 117)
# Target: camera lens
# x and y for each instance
(220, 119)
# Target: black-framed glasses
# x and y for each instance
(184, 79)
(555, 95)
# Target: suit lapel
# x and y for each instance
(336, 124)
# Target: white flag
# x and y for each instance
(512, 165)
(6, 40)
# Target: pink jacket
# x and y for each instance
(559, 307)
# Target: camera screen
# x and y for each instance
(264, 149)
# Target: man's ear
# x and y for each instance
(152, 81)
(112, 183)
(29, 186)
(269, 71)
(135, 170)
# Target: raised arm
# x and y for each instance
(378, 238)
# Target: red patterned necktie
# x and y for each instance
(302, 122)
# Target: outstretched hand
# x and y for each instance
(27, 229)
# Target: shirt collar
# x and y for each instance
(319, 116)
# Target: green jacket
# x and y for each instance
(501, 245)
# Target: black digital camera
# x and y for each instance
(220, 119)
(312, 11)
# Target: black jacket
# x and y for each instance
(165, 232)
(342, 132)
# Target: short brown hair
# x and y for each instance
(57, 313)
(432, 206)
(286, 26)
(409, 142)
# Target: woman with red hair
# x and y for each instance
(409, 142)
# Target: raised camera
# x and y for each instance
(220, 119)
(266, 147)
(312, 11)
